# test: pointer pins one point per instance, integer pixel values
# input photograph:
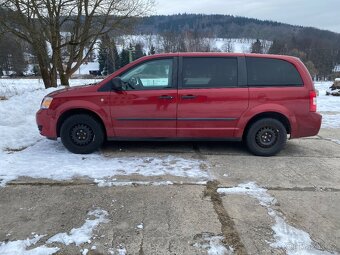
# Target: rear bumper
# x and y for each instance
(46, 124)
(308, 125)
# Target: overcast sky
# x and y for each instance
(324, 14)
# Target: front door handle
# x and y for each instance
(188, 97)
(166, 97)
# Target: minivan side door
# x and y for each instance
(212, 96)
(146, 107)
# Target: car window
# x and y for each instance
(155, 74)
(272, 72)
(209, 72)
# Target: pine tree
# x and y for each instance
(102, 56)
(277, 47)
(124, 58)
(138, 52)
(108, 58)
(116, 58)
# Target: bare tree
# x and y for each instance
(228, 46)
(54, 27)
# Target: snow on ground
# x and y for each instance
(21, 247)
(49, 159)
(17, 114)
(20, 143)
(77, 236)
(13, 87)
(82, 234)
(295, 241)
(213, 245)
(328, 106)
(239, 45)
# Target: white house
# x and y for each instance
(336, 68)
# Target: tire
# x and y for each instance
(82, 134)
(266, 137)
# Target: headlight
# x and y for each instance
(45, 104)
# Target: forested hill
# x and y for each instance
(319, 49)
(226, 26)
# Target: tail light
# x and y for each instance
(312, 101)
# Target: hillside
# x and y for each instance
(318, 49)
(225, 26)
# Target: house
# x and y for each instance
(336, 68)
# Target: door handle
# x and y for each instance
(188, 97)
(166, 97)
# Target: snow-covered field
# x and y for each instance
(328, 106)
(20, 142)
(237, 45)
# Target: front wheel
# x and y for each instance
(266, 137)
(82, 134)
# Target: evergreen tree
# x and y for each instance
(257, 47)
(278, 47)
(124, 58)
(102, 56)
(108, 58)
(138, 52)
(114, 57)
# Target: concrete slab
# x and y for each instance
(286, 172)
(171, 216)
(317, 213)
(304, 147)
(147, 147)
(330, 133)
(252, 223)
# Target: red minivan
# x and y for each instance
(188, 96)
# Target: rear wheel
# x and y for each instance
(266, 137)
(82, 134)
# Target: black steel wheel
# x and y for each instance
(82, 134)
(266, 137)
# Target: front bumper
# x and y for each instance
(46, 123)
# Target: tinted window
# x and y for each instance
(209, 72)
(272, 72)
(155, 74)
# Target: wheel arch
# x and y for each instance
(75, 111)
(273, 115)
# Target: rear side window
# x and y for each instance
(272, 72)
(209, 72)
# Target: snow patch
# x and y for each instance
(120, 250)
(20, 247)
(212, 244)
(251, 189)
(49, 159)
(287, 237)
(84, 233)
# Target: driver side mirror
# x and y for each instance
(117, 83)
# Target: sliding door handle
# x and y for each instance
(188, 97)
(166, 97)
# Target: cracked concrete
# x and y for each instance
(304, 178)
